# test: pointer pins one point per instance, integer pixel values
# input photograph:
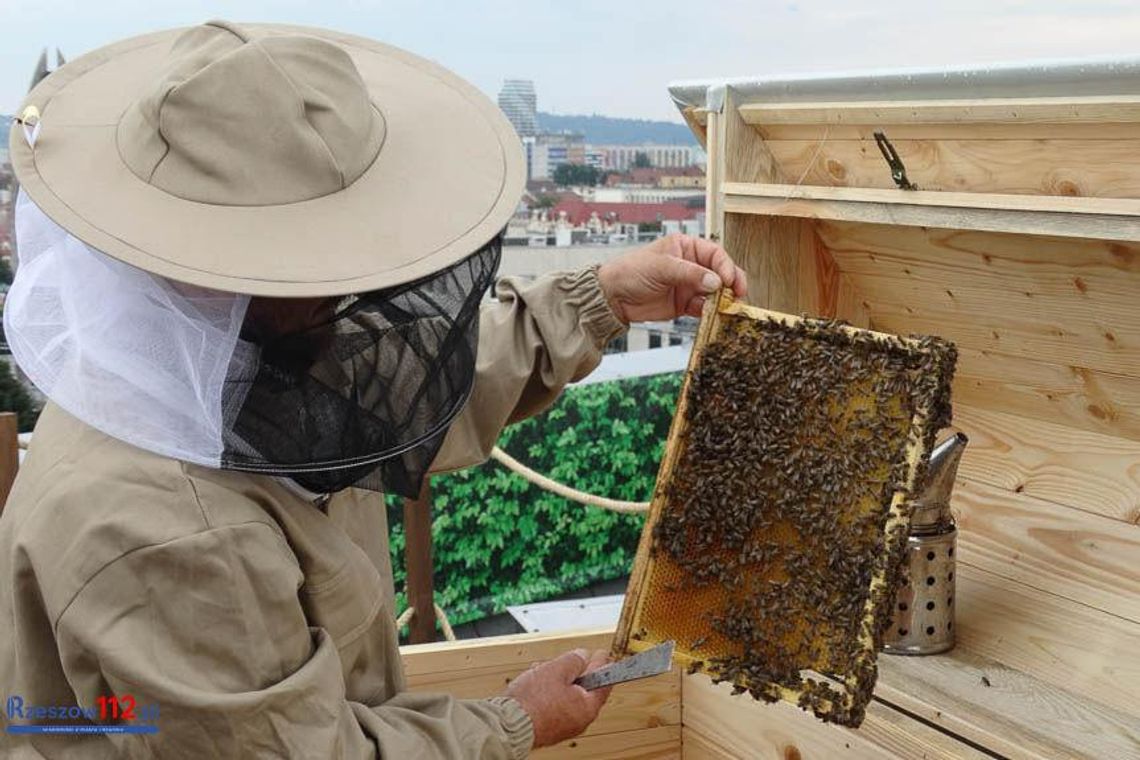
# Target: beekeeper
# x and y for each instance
(251, 261)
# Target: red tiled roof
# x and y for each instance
(652, 175)
(578, 211)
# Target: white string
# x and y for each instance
(30, 121)
(811, 163)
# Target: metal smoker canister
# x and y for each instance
(924, 610)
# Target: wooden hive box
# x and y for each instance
(1021, 245)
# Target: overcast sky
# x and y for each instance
(614, 57)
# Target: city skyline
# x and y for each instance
(617, 59)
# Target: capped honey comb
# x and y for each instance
(775, 537)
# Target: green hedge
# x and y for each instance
(500, 541)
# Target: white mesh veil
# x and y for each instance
(358, 391)
(134, 355)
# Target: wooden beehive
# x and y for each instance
(777, 527)
(1022, 245)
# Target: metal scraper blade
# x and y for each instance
(645, 664)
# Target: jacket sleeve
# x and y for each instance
(533, 340)
(210, 629)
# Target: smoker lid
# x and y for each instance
(1025, 79)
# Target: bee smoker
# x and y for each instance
(924, 610)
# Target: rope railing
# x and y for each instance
(547, 484)
(563, 490)
(407, 615)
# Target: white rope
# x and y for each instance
(407, 615)
(540, 480)
(444, 623)
(543, 482)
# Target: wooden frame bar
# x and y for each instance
(1112, 207)
(1067, 224)
(9, 454)
(420, 566)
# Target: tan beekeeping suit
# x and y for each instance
(261, 623)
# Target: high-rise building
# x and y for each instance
(622, 157)
(519, 103)
(547, 151)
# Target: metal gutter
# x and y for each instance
(1025, 79)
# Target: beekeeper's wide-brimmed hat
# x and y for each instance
(268, 159)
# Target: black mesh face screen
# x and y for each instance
(362, 392)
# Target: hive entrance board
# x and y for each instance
(776, 533)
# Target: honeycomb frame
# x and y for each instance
(836, 697)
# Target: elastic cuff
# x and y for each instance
(517, 725)
(599, 320)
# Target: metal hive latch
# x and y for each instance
(898, 170)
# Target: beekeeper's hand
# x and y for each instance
(668, 278)
(559, 709)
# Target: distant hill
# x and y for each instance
(607, 130)
(5, 127)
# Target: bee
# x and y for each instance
(760, 500)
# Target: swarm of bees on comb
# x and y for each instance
(775, 539)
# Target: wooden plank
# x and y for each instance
(1054, 264)
(661, 743)
(699, 115)
(1009, 712)
(1079, 397)
(746, 238)
(993, 201)
(9, 454)
(714, 172)
(1051, 462)
(1052, 110)
(1071, 168)
(1023, 716)
(746, 155)
(476, 668)
(741, 727)
(788, 270)
(518, 649)
(632, 706)
(963, 131)
(697, 119)
(420, 568)
(825, 291)
(1098, 226)
(1076, 648)
(785, 242)
(1070, 329)
(850, 305)
(818, 276)
(1080, 272)
(1064, 551)
(1051, 341)
(696, 746)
